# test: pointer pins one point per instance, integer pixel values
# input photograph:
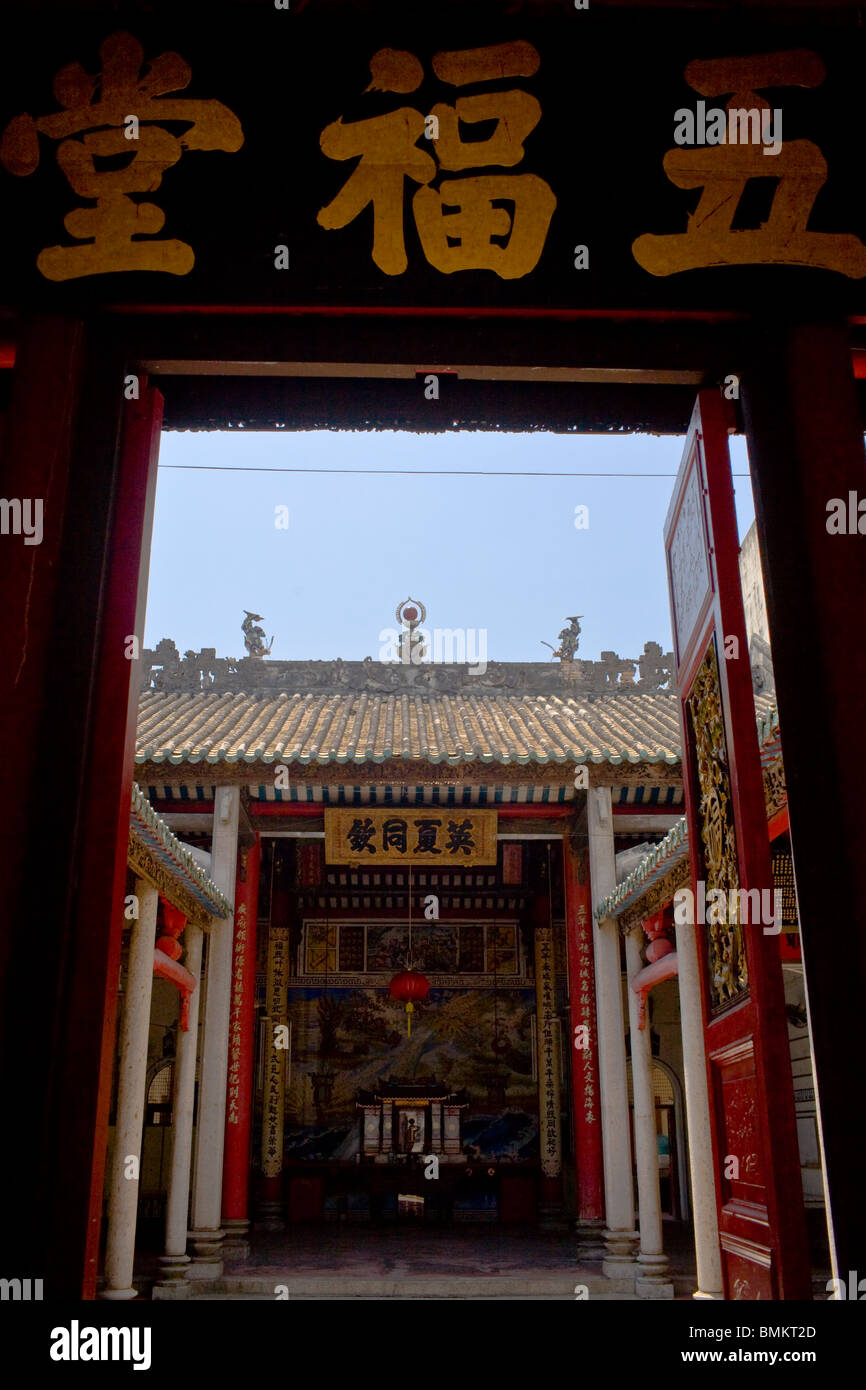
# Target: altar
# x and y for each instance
(401, 1118)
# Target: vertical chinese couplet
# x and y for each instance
(548, 1055)
(236, 1037)
(275, 1070)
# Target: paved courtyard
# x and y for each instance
(356, 1261)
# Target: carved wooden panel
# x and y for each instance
(687, 562)
(726, 949)
(750, 1269)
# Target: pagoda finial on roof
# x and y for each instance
(411, 646)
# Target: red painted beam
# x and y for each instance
(318, 808)
(288, 810)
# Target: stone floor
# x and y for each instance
(357, 1261)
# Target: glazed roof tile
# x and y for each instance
(364, 727)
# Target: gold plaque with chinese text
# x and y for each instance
(410, 835)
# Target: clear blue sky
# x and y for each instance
(495, 553)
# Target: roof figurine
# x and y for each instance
(569, 639)
(254, 637)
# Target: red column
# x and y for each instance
(584, 1049)
(239, 1079)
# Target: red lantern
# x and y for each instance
(174, 922)
(174, 919)
(170, 946)
(658, 948)
(409, 986)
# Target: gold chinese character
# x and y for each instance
(723, 171)
(457, 222)
(126, 119)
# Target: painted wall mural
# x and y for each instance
(344, 1040)
(349, 952)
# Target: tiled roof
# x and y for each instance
(358, 727)
(151, 829)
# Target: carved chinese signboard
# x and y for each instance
(489, 154)
(410, 835)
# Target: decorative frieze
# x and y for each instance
(144, 862)
(775, 789)
(728, 966)
(163, 668)
(657, 896)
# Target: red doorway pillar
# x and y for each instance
(583, 1046)
(70, 683)
(239, 1078)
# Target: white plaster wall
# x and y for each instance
(752, 582)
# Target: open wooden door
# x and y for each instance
(760, 1202)
(85, 1027)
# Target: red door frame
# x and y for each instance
(107, 790)
(761, 1215)
(45, 434)
(70, 703)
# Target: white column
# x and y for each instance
(175, 1260)
(207, 1233)
(132, 1079)
(619, 1235)
(701, 1161)
(652, 1261)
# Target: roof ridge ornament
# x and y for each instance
(569, 640)
(411, 648)
(163, 669)
(254, 637)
